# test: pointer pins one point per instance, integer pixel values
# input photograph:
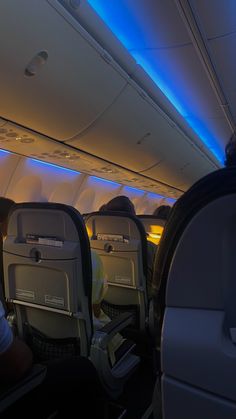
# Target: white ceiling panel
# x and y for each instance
(70, 88)
(158, 24)
(216, 17)
(147, 18)
(188, 83)
(218, 130)
(223, 56)
(232, 99)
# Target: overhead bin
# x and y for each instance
(134, 134)
(182, 167)
(52, 79)
(157, 39)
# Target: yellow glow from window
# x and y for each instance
(89, 231)
(154, 234)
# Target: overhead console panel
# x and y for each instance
(28, 143)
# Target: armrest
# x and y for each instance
(104, 335)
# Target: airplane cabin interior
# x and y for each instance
(122, 98)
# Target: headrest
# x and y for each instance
(138, 232)
(52, 220)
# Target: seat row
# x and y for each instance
(48, 278)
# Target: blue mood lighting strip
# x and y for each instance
(121, 21)
(56, 168)
(36, 163)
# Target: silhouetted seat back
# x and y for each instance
(194, 282)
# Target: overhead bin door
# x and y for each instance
(134, 134)
(51, 79)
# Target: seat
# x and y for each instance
(120, 240)
(2, 290)
(195, 288)
(24, 386)
(48, 277)
(153, 226)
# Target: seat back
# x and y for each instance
(2, 289)
(195, 287)
(48, 277)
(120, 241)
(153, 226)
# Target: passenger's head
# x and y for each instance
(5, 206)
(162, 212)
(102, 208)
(120, 203)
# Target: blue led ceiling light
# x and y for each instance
(99, 179)
(56, 168)
(4, 151)
(170, 201)
(131, 190)
(155, 196)
(35, 162)
(126, 24)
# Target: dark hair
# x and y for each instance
(5, 206)
(119, 203)
(230, 152)
(162, 212)
(103, 208)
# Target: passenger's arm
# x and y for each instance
(15, 356)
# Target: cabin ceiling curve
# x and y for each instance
(60, 80)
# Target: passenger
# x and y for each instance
(102, 208)
(162, 212)
(99, 289)
(70, 384)
(5, 206)
(123, 203)
(119, 203)
(15, 356)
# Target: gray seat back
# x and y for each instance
(47, 272)
(120, 241)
